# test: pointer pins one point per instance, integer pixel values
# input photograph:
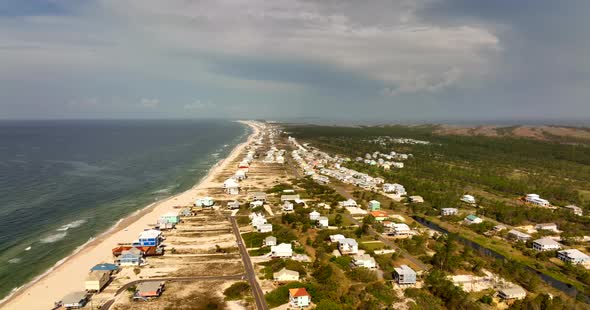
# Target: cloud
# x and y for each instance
(150, 103)
(84, 102)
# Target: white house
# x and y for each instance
(348, 203)
(536, 200)
(394, 188)
(401, 229)
(287, 206)
(281, 250)
(240, 175)
(205, 202)
(348, 246)
(575, 210)
(285, 275)
(416, 199)
(514, 292)
(299, 297)
(517, 235)
(404, 275)
(231, 187)
(264, 228)
(336, 238)
(314, 215)
(323, 222)
(448, 211)
(573, 256)
(546, 244)
(468, 199)
(270, 241)
(472, 219)
(364, 260)
(232, 205)
(257, 219)
(546, 226)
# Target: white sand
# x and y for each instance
(69, 276)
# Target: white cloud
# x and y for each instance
(150, 103)
(384, 42)
(400, 50)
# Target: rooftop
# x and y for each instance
(298, 292)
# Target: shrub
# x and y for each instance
(236, 290)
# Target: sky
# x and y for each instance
(374, 60)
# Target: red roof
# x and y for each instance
(379, 214)
(298, 292)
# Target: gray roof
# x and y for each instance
(74, 298)
(513, 291)
(149, 286)
(546, 241)
(404, 269)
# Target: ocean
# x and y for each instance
(64, 182)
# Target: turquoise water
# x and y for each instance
(64, 182)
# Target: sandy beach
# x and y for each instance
(69, 275)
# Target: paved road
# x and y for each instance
(250, 274)
(109, 303)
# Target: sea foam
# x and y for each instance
(54, 238)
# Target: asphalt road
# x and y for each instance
(250, 274)
(109, 303)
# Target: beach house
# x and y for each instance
(348, 246)
(289, 197)
(336, 238)
(575, 210)
(401, 229)
(299, 297)
(517, 235)
(546, 226)
(170, 218)
(364, 260)
(264, 228)
(75, 300)
(205, 202)
(348, 203)
(131, 257)
(513, 292)
(472, 219)
(231, 187)
(404, 275)
(468, 199)
(314, 215)
(395, 188)
(148, 290)
(416, 199)
(546, 244)
(270, 241)
(149, 237)
(281, 250)
(287, 206)
(379, 216)
(285, 275)
(233, 205)
(448, 211)
(573, 256)
(111, 268)
(96, 280)
(536, 200)
(258, 196)
(374, 205)
(323, 222)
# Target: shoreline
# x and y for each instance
(18, 300)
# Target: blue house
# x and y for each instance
(131, 257)
(150, 237)
(105, 267)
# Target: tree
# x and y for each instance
(338, 219)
